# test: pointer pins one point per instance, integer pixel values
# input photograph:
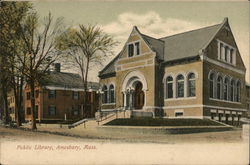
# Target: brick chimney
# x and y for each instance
(57, 67)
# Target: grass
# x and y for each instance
(162, 122)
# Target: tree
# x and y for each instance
(84, 46)
(12, 13)
(39, 51)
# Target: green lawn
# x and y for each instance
(162, 122)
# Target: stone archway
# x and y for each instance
(134, 90)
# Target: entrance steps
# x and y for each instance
(101, 119)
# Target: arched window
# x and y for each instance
(219, 87)
(105, 94)
(112, 93)
(180, 86)
(191, 84)
(225, 89)
(232, 90)
(169, 87)
(211, 85)
(238, 92)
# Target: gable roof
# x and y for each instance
(188, 44)
(178, 46)
(67, 80)
(110, 68)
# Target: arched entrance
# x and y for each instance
(139, 96)
(134, 87)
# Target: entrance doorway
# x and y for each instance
(139, 96)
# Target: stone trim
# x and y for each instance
(221, 64)
(227, 101)
(205, 106)
(64, 88)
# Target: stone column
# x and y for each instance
(131, 99)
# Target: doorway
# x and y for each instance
(139, 96)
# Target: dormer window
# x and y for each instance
(133, 49)
(226, 53)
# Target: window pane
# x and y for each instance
(225, 89)
(130, 50)
(180, 89)
(137, 46)
(170, 90)
(191, 89)
(219, 87)
(112, 94)
(211, 85)
(191, 84)
(52, 110)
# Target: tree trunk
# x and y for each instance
(16, 105)
(86, 89)
(6, 108)
(32, 94)
(20, 101)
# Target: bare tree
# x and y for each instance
(85, 46)
(39, 51)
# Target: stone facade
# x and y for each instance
(147, 79)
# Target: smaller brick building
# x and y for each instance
(60, 97)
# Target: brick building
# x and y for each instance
(195, 74)
(60, 97)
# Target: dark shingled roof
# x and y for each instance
(188, 44)
(156, 45)
(178, 46)
(110, 68)
(67, 80)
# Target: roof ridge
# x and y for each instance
(151, 37)
(188, 31)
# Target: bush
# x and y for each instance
(162, 122)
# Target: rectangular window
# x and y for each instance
(231, 56)
(37, 93)
(226, 53)
(52, 94)
(76, 110)
(52, 110)
(137, 48)
(28, 95)
(28, 111)
(221, 50)
(178, 114)
(75, 95)
(130, 50)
